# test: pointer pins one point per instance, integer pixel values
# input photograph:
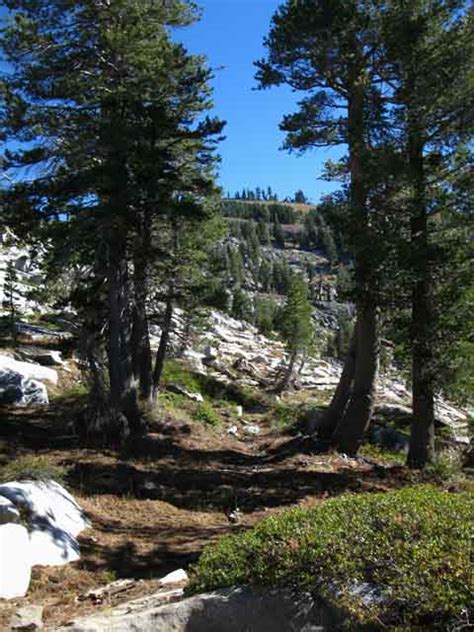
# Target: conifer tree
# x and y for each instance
(330, 51)
(10, 291)
(296, 326)
(111, 113)
(430, 49)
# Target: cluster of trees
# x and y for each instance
(391, 81)
(274, 212)
(278, 224)
(109, 158)
(260, 193)
(266, 195)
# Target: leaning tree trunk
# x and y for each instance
(163, 346)
(422, 439)
(288, 375)
(337, 407)
(350, 431)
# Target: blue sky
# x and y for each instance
(231, 35)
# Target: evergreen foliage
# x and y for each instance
(10, 291)
(109, 116)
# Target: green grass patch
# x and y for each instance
(285, 416)
(376, 452)
(176, 373)
(411, 546)
(78, 391)
(205, 414)
(36, 468)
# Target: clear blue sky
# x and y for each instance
(231, 35)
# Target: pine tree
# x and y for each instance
(278, 235)
(110, 112)
(296, 326)
(10, 291)
(331, 51)
(430, 48)
(300, 197)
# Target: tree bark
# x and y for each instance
(422, 439)
(141, 351)
(163, 346)
(285, 381)
(350, 431)
(123, 396)
(337, 407)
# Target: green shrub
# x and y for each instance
(206, 415)
(175, 373)
(285, 415)
(411, 545)
(31, 468)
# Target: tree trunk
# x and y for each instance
(285, 381)
(163, 346)
(337, 407)
(355, 422)
(141, 351)
(422, 439)
(123, 396)
(349, 414)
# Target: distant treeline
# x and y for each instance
(265, 194)
(274, 212)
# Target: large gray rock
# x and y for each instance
(54, 520)
(8, 511)
(22, 391)
(45, 357)
(28, 618)
(232, 610)
(28, 370)
(15, 567)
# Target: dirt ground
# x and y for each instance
(154, 507)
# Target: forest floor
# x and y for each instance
(153, 508)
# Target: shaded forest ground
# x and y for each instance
(154, 507)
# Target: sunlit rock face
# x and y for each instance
(51, 521)
(25, 264)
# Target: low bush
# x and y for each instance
(447, 466)
(393, 560)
